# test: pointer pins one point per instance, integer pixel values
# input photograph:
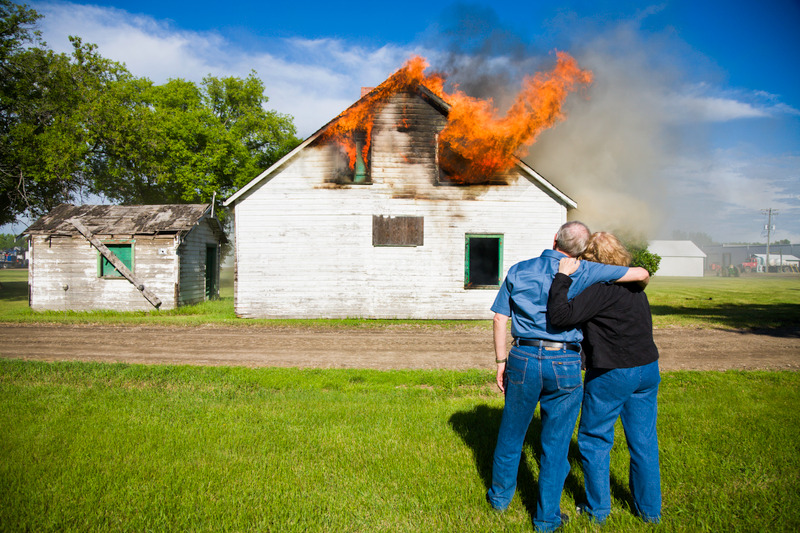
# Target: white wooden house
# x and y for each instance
(124, 257)
(394, 238)
(678, 258)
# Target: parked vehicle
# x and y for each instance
(777, 263)
(750, 265)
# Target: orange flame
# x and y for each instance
(476, 144)
(358, 119)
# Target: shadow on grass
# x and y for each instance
(14, 291)
(478, 429)
(780, 320)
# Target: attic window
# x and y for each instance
(483, 261)
(397, 231)
(454, 169)
(353, 167)
(123, 251)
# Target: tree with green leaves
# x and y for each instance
(79, 123)
(180, 143)
(9, 241)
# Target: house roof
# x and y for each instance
(123, 220)
(439, 104)
(676, 249)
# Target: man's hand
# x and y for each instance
(501, 372)
(568, 265)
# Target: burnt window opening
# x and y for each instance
(483, 261)
(355, 168)
(456, 170)
(397, 231)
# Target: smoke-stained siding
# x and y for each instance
(304, 246)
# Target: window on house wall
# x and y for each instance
(359, 173)
(397, 231)
(123, 251)
(483, 261)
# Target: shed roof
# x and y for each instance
(119, 219)
(676, 249)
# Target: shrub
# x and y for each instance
(642, 257)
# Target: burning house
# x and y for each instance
(410, 204)
(124, 258)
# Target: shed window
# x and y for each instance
(397, 231)
(483, 261)
(123, 251)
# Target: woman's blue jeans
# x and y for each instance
(551, 378)
(629, 393)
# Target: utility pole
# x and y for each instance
(769, 212)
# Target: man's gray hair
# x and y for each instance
(572, 238)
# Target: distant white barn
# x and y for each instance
(392, 237)
(679, 258)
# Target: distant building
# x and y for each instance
(678, 258)
(124, 258)
(728, 255)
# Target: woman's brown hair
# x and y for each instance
(605, 248)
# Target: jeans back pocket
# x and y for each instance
(516, 368)
(568, 374)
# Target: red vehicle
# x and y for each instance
(750, 265)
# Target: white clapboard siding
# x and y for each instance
(304, 245)
(192, 252)
(71, 261)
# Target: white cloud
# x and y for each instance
(723, 195)
(322, 78)
(711, 109)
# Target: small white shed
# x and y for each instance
(679, 258)
(124, 258)
(392, 237)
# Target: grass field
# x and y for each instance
(764, 301)
(99, 447)
(106, 447)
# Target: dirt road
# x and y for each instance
(390, 347)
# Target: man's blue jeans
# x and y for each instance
(551, 378)
(629, 393)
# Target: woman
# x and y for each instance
(621, 379)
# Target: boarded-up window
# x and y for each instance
(483, 261)
(397, 231)
(124, 253)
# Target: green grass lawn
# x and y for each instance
(757, 302)
(102, 447)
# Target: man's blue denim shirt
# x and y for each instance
(523, 294)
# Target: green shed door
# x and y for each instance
(211, 272)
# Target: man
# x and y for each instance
(544, 367)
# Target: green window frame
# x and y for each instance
(124, 251)
(483, 260)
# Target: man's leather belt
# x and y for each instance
(571, 346)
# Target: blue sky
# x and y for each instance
(692, 124)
